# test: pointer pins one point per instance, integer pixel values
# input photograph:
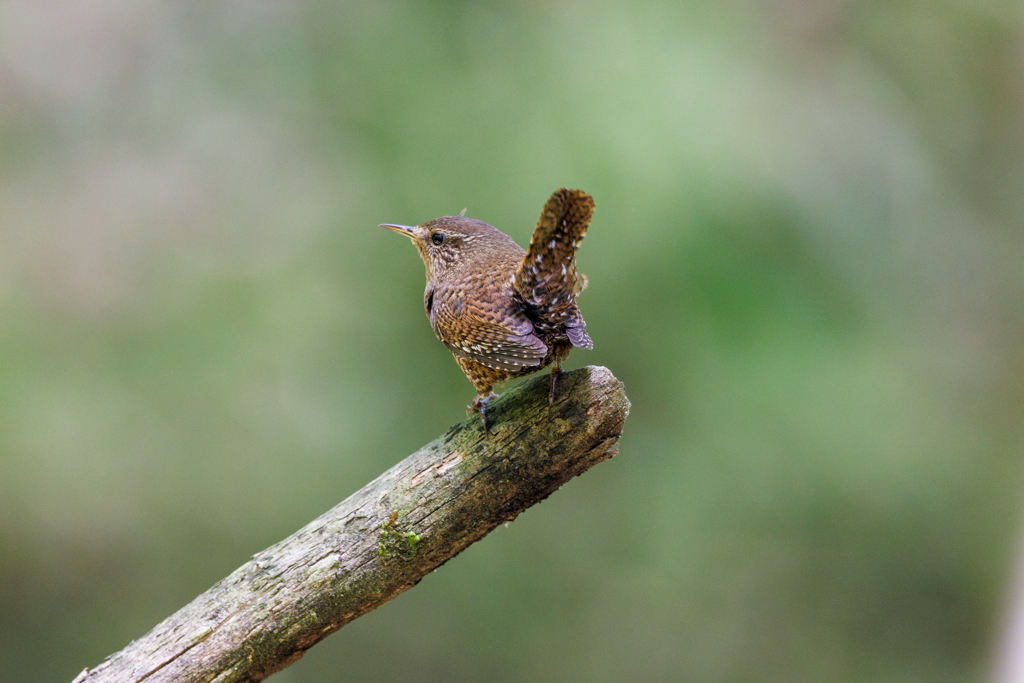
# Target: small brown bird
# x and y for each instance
(501, 311)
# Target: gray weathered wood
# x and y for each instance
(384, 538)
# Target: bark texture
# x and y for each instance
(384, 538)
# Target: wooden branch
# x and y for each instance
(384, 538)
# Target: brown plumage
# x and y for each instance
(504, 312)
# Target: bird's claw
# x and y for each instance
(556, 370)
(479, 405)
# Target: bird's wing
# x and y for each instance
(546, 280)
(502, 340)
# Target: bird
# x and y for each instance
(503, 311)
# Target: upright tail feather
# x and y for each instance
(546, 280)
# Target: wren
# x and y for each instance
(504, 312)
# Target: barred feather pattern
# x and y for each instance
(546, 282)
(501, 339)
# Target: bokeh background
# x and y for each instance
(806, 265)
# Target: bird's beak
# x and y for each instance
(406, 230)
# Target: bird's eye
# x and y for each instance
(437, 238)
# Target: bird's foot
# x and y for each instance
(479, 405)
(556, 370)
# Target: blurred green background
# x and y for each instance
(806, 265)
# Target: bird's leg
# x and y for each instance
(556, 370)
(479, 405)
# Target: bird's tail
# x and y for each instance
(546, 280)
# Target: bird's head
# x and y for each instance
(451, 243)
